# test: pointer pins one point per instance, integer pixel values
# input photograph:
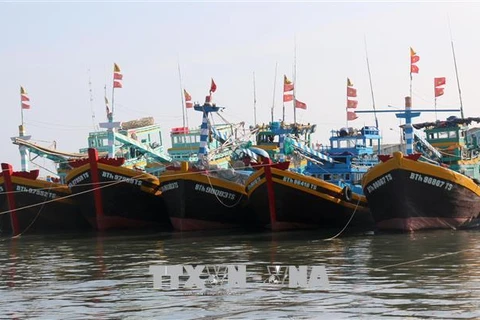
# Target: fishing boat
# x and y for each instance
(327, 189)
(434, 185)
(34, 204)
(200, 195)
(30, 204)
(120, 189)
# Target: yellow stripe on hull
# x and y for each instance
(399, 162)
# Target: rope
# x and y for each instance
(216, 196)
(348, 222)
(33, 221)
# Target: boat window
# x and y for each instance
(347, 176)
(452, 134)
(431, 136)
(442, 135)
(326, 177)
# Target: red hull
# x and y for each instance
(183, 224)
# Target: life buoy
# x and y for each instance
(347, 193)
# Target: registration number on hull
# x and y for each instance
(431, 181)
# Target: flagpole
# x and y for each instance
(411, 78)
(294, 80)
(346, 108)
(21, 106)
(181, 94)
(254, 101)
(456, 70)
(371, 85)
(113, 93)
(436, 108)
(274, 87)
(91, 99)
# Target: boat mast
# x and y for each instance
(254, 102)
(181, 95)
(294, 80)
(456, 70)
(274, 86)
(371, 85)
(91, 99)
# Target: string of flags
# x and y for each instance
(117, 76)
(414, 58)
(351, 104)
(24, 98)
(188, 99)
(438, 83)
(288, 88)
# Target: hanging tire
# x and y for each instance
(347, 193)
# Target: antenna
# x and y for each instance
(274, 86)
(91, 99)
(181, 94)
(371, 86)
(254, 101)
(456, 70)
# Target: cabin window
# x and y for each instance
(347, 177)
(326, 177)
(452, 134)
(431, 136)
(442, 135)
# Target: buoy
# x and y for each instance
(347, 193)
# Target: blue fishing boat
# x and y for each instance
(326, 193)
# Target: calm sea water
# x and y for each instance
(433, 274)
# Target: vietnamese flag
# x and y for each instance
(352, 103)
(351, 92)
(287, 97)
(439, 81)
(439, 92)
(213, 86)
(300, 104)
(413, 69)
(351, 115)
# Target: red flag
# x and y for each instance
(287, 84)
(439, 92)
(25, 100)
(439, 81)
(352, 103)
(117, 76)
(414, 59)
(300, 104)
(413, 69)
(213, 86)
(287, 97)
(351, 115)
(351, 92)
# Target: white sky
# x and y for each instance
(49, 48)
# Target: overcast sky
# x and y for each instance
(53, 49)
